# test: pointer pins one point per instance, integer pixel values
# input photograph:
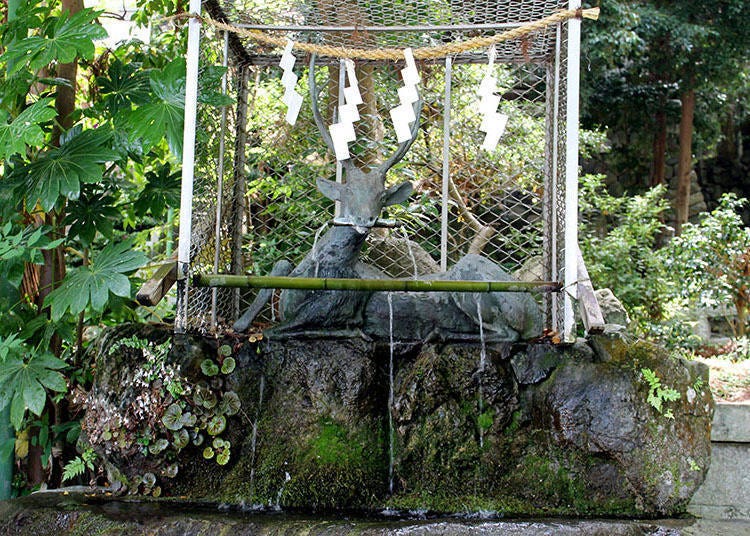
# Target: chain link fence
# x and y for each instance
(255, 200)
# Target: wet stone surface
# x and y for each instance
(519, 429)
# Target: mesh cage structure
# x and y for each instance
(255, 200)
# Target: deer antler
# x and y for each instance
(404, 147)
(314, 94)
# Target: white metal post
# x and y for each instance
(571, 173)
(188, 165)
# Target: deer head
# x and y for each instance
(364, 194)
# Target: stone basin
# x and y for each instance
(87, 512)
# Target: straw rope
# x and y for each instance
(422, 53)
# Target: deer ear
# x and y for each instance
(398, 194)
(330, 189)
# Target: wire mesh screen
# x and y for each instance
(256, 174)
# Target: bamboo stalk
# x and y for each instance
(389, 285)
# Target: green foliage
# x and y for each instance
(163, 114)
(658, 395)
(642, 56)
(60, 39)
(618, 239)
(172, 414)
(61, 170)
(78, 465)
(711, 260)
(162, 190)
(25, 375)
(24, 129)
(90, 285)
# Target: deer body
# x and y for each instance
(415, 315)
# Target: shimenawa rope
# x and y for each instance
(433, 52)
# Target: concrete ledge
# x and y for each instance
(725, 494)
(731, 423)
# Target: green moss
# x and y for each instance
(334, 446)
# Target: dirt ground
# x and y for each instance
(729, 380)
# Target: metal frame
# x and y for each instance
(560, 306)
(571, 174)
(188, 165)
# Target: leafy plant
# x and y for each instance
(711, 260)
(25, 375)
(91, 285)
(619, 240)
(658, 395)
(78, 465)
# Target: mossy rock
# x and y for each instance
(542, 429)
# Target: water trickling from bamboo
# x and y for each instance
(390, 394)
(480, 370)
(287, 478)
(254, 437)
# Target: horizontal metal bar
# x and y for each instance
(388, 285)
(398, 28)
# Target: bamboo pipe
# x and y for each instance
(388, 285)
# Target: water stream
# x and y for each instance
(287, 478)
(480, 371)
(254, 437)
(390, 394)
(314, 253)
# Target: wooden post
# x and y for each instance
(591, 313)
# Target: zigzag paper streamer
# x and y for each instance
(291, 98)
(403, 114)
(493, 122)
(342, 132)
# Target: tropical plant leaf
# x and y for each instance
(162, 190)
(23, 378)
(92, 284)
(60, 171)
(24, 130)
(126, 84)
(63, 38)
(163, 116)
(92, 212)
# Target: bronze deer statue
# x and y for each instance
(417, 316)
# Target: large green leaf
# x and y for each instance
(126, 84)
(93, 212)
(163, 116)
(60, 171)
(24, 379)
(91, 285)
(162, 190)
(63, 38)
(24, 130)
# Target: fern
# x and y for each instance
(78, 465)
(657, 393)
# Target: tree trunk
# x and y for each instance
(685, 162)
(659, 154)
(53, 269)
